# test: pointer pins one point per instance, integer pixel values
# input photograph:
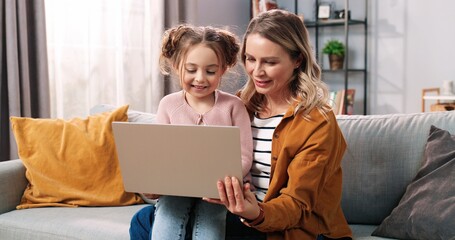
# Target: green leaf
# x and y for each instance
(334, 47)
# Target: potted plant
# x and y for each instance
(335, 49)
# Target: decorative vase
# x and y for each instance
(447, 90)
(336, 62)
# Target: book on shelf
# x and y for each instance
(342, 102)
(259, 6)
(350, 93)
(334, 100)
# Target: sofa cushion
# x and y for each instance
(100, 223)
(71, 162)
(383, 155)
(363, 232)
(427, 209)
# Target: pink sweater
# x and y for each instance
(228, 110)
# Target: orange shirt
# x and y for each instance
(304, 196)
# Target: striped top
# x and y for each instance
(262, 129)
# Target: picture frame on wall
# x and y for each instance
(324, 11)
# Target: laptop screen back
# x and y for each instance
(179, 160)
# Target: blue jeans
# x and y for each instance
(142, 222)
(173, 214)
(236, 230)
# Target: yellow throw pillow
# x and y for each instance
(71, 162)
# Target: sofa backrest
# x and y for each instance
(133, 116)
(384, 154)
(12, 184)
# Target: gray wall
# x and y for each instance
(410, 45)
(233, 15)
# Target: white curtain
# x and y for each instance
(104, 51)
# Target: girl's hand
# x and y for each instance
(239, 201)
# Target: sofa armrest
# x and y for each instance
(12, 184)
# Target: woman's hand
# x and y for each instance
(151, 195)
(239, 201)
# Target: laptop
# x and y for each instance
(178, 160)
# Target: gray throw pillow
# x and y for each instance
(427, 209)
(133, 116)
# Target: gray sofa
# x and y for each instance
(383, 156)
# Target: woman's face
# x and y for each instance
(201, 73)
(269, 66)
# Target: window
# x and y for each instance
(103, 51)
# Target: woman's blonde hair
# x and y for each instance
(306, 87)
(177, 41)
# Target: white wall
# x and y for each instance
(412, 47)
(410, 44)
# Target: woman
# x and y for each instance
(298, 145)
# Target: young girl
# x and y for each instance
(199, 56)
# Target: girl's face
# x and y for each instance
(201, 73)
(269, 66)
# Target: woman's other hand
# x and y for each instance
(237, 199)
(151, 195)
